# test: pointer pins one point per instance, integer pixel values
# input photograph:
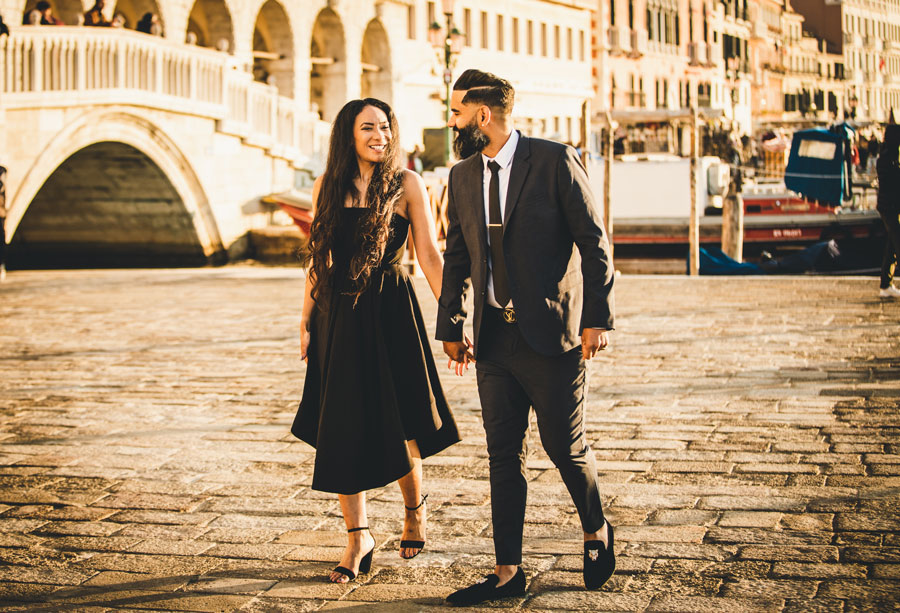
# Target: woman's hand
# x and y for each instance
(304, 341)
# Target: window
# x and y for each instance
(431, 15)
(467, 25)
(499, 32)
(556, 43)
(544, 39)
(529, 36)
(515, 34)
(581, 45)
(484, 30)
(612, 13)
(569, 51)
(411, 22)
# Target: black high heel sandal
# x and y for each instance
(365, 565)
(420, 545)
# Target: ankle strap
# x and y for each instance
(358, 529)
(424, 498)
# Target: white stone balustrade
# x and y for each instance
(70, 66)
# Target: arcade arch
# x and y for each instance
(328, 77)
(134, 10)
(210, 22)
(71, 12)
(376, 63)
(273, 48)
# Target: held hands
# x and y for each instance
(592, 341)
(461, 353)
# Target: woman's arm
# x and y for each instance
(423, 233)
(308, 301)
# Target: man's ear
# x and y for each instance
(484, 115)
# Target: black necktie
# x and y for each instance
(495, 232)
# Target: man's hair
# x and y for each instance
(42, 6)
(488, 89)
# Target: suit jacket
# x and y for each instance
(557, 290)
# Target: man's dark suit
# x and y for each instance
(557, 291)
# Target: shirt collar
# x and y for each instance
(505, 156)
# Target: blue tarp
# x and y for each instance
(816, 167)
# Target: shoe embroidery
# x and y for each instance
(594, 554)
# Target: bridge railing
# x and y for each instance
(70, 66)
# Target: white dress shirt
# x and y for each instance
(504, 158)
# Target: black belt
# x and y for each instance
(507, 315)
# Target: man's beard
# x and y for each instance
(469, 141)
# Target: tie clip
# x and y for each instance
(495, 225)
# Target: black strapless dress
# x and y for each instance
(371, 381)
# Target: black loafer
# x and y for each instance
(599, 561)
(488, 590)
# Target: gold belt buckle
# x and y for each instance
(509, 315)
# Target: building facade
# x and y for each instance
(866, 34)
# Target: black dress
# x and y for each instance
(371, 381)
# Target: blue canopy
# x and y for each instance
(817, 167)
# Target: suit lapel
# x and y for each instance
(517, 175)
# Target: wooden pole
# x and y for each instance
(694, 224)
(607, 179)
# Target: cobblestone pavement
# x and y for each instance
(746, 431)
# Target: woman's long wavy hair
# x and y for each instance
(373, 231)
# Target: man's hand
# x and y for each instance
(460, 353)
(592, 341)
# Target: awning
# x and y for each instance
(298, 205)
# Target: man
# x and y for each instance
(95, 16)
(47, 17)
(518, 208)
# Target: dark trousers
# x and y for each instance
(891, 220)
(512, 378)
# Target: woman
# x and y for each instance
(888, 167)
(372, 403)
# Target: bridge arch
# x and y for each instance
(273, 47)
(376, 63)
(137, 164)
(210, 22)
(328, 55)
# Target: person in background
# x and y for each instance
(47, 17)
(149, 24)
(888, 168)
(118, 21)
(3, 28)
(95, 17)
(32, 18)
(415, 160)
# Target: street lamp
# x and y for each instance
(449, 40)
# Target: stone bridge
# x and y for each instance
(124, 148)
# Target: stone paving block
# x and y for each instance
(54, 576)
(24, 592)
(587, 601)
(855, 589)
(816, 605)
(751, 503)
(750, 519)
(138, 581)
(707, 604)
(153, 564)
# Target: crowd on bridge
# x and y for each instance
(42, 15)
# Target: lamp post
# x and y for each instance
(449, 40)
